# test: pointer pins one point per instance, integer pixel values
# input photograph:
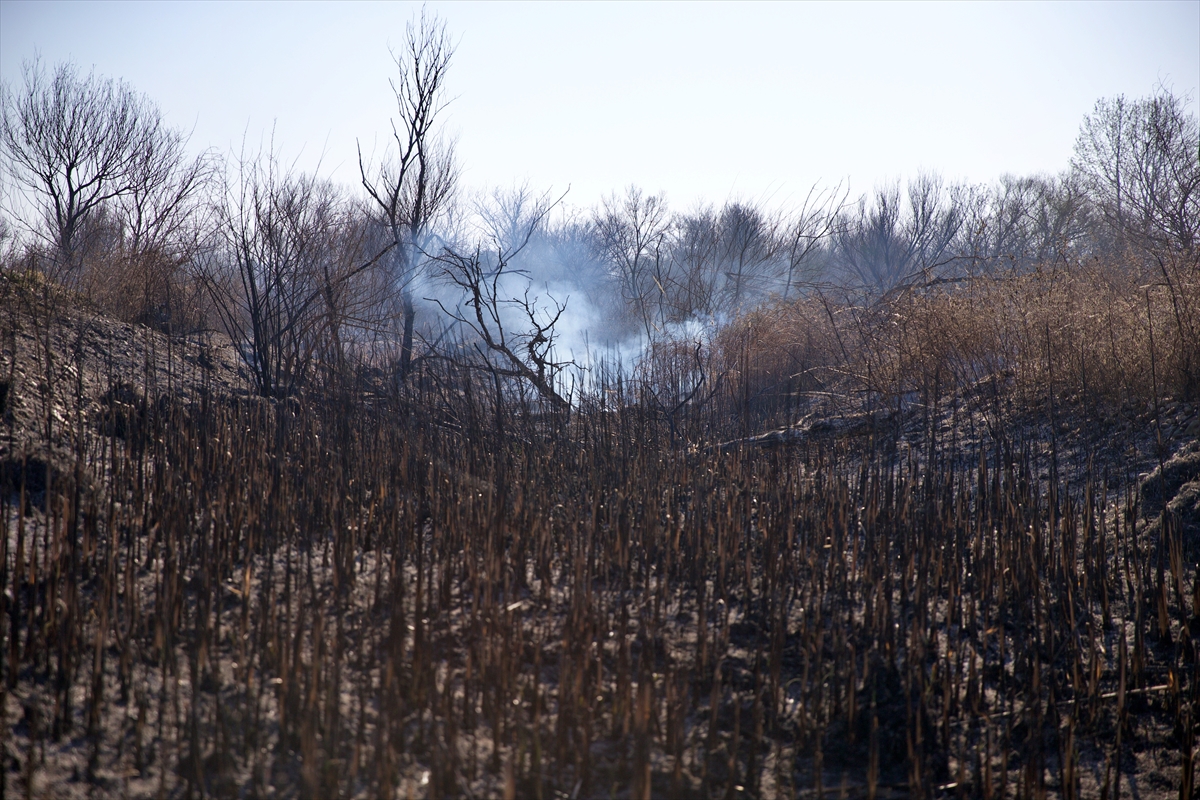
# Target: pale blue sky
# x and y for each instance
(703, 100)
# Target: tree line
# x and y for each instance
(312, 280)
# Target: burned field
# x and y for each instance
(430, 594)
(409, 488)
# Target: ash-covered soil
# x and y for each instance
(68, 371)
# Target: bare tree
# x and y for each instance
(1139, 162)
(889, 241)
(632, 233)
(415, 184)
(75, 143)
(282, 270)
(704, 265)
(162, 222)
(695, 248)
(1022, 221)
(512, 333)
(810, 228)
(1102, 157)
(748, 251)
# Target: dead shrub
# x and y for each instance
(149, 289)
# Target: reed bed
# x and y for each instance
(1098, 336)
(442, 595)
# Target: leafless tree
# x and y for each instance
(511, 332)
(283, 268)
(415, 183)
(74, 143)
(808, 230)
(1139, 163)
(1022, 221)
(708, 264)
(695, 248)
(1102, 157)
(108, 189)
(722, 262)
(631, 231)
(162, 222)
(748, 251)
(889, 241)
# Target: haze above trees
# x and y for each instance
(311, 278)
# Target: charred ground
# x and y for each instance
(371, 592)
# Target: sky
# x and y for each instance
(702, 101)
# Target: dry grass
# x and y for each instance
(1094, 336)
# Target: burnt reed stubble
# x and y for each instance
(368, 594)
